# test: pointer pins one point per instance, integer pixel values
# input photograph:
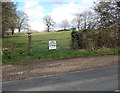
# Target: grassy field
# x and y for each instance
(16, 47)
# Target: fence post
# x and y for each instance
(29, 43)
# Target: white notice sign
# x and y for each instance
(52, 45)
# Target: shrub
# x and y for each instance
(95, 39)
(77, 40)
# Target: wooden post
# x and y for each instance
(29, 43)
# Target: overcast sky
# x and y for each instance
(58, 9)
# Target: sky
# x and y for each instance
(58, 9)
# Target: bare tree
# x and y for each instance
(73, 23)
(84, 21)
(76, 22)
(89, 20)
(48, 22)
(79, 19)
(65, 24)
(22, 21)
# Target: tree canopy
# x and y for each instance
(9, 16)
(13, 19)
(108, 13)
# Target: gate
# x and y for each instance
(44, 47)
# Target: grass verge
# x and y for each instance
(9, 57)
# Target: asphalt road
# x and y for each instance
(105, 79)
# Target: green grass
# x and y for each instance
(19, 52)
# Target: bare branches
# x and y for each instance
(22, 21)
(48, 22)
(84, 21)
(65, 24)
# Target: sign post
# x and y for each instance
(29, 43)
(52, 45)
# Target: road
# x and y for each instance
(105, 79)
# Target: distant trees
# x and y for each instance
(22, 21)
(84, 21)
(65, 24)
(106, 14)
(48, 22)
(76, 22)
(89, 20)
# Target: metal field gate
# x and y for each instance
(43, 47)
(46, 44)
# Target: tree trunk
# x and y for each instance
(19, 30)
(78, 28)
(3, 36)
(3, 32)
(48, 29)
(12, 31)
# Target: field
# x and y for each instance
(15, 48)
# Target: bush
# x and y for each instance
(95, 39)
(77, 40)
